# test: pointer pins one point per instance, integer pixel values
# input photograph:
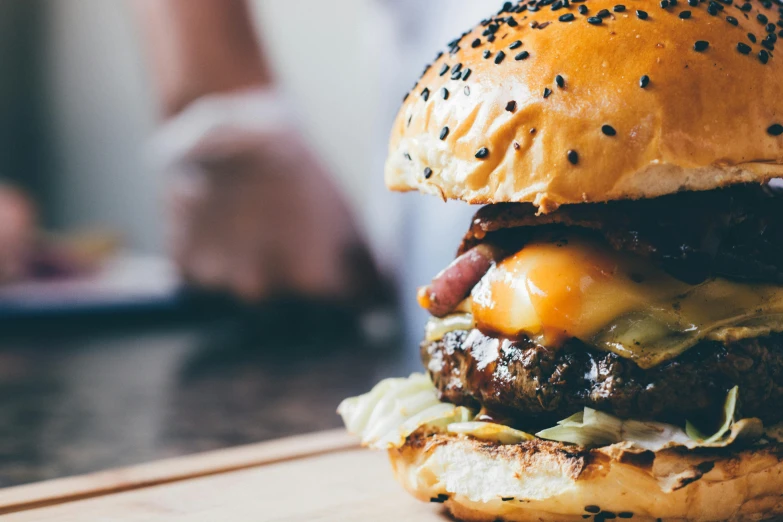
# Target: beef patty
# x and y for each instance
(735, 232)
(537, 386)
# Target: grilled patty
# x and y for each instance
(534, 386)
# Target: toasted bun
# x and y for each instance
(546, 481)
(706, 119)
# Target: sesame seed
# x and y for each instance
(762, 18)
(772, 37)
(712, 10)
(752, 37)
(568, 17)
(491, 38)
(644, 81)
(522, 56)
(664, 4)
(700, 46)
(482, 153)
(619, 8)
(476, 43)
(517, 146)
(466, 90)
(405, 98)
(592, 509)
(533, 130)
(608, 130)
(770, 28)
(445, 93)
(515, 45)
(487, 54)
(594, 20)
(693, 3)
(560, 81)
(573, 157)
(511, 106)
(746, 7)
(500, 57)
(763, 56)
(444, 133)
(768, 44)
(684, 15)
(582, 9)
(425, 94)
(775, 130)
(457, 75)
(444, 69)
(408, 157)
(732, 20)
(604, 13)
(547, 92)
(625, 514)
(427, 173)
(466, 74)
(642, 15)
(743, 48)
(672, 3)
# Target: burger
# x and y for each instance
(608, 342)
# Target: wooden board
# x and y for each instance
(321, 477)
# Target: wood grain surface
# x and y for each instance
(315, 477)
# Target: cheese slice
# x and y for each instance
(571, 286)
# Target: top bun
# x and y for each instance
(552, 103)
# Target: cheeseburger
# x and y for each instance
(608, 342)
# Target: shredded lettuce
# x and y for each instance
(594, 428)
(384, 418)
(490, 431)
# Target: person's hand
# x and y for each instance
(265, 220)
(17, 233)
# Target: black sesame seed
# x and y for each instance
(466, 74)
(512, 22)
(515, 45)
(701, 46)
(568, 17)
(752, 37)
(521, 56)
(444, 69)
(763, 56)
(619, 8)
(642, 15)
(476, 43)
(547, 92)
(428, 175)
(664, 4)
(533, 130)
(582, 9)
(672, 3)
(573, 157)
(608, 130)
(456, 68)
(775, 130)
(743, 48)
(762, 18)
(594, 20)
(644, 81)
(746, 7)
(457, 75)
(768, 44)
(604, 13)
(405, 98)
(511, 106)
(625, 514)
(732, 20)
(444, 133)
(487, 54)
(772, 37)
(712, 10)
(684, 15)
(445, 93)
(482, 153)
(491, 38)
(593, 509)
(693, 3)
(500, 57)
(408, 157)
(425, 94)
(770, 28)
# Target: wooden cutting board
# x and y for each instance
(320, 477)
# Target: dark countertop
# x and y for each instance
(79, 399)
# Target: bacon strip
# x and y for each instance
(451, 286)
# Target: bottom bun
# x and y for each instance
(548, 481)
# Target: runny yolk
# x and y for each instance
(558, 289)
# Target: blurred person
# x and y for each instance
(252, 209)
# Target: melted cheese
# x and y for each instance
(573, 287)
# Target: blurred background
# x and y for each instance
(196, 246)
